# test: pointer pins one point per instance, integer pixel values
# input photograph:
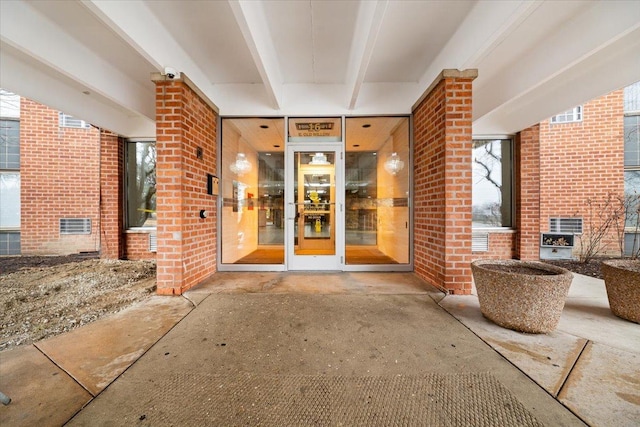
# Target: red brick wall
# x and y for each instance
(442, 183)
(186, 243)
(111, 189)
(582, 160)
(59, 179)
(137, 246)
(502, 245)
(527, 176)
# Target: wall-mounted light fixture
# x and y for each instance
(241, 165)
(393, 164)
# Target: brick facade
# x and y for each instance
(60, 178)
(111, 192)
(185, 125)
(527, 177)
(442, 183)
(581, 161)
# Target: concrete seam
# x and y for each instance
(575, 362)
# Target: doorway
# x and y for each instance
(301, 201)
(314, 207)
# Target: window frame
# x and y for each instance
(126, 181)
(512, 187)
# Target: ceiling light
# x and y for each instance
(241, 165)
(319, 159)
(393, 164)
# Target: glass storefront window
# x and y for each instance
(377, 173)
(141, 184)
(252, 188)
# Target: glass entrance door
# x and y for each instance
(314, 213)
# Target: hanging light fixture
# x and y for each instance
(241, 165)
(393, 164)
(319, 159)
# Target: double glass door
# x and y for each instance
(314, 208)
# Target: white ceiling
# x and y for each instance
(93, 58)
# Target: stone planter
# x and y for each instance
(622, 280)
(521, 295)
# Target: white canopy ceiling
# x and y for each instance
(93, 58)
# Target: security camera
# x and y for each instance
(171, 73)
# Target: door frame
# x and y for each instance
(333, 262)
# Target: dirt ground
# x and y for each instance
(41, 297)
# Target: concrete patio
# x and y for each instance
(328, 349)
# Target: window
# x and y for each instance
(141, 184)
(9, 182)
(67, 121)
(9, 144)
(632, 166)
(492, 183)
(573, 115)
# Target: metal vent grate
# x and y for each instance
(565, 225)
(67, 121)
(75, 226)
(480, 242)
(153, 243)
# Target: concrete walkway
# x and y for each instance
(327, 349)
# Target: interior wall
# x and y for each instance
(239, 214)
(393, 231)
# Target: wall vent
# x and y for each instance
(480, 242)
(565, 225)
(153, 243)
(75, 225)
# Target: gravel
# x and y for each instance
(41, 297)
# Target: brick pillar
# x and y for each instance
(443, 181)
(527, 171)
(186, 125)
(111, 196)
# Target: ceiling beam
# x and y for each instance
(607, 22)
(66, 55)
(370, 17)
(607, 69)
(137, 25)
(31, 79)
(252, 21)
(486, 25)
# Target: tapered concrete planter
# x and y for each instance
(622, 280)
(521, 295)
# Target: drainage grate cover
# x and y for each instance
(296, 400)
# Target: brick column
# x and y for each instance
(443, 181)
(527, 171)
(186, 125)
(111, 196)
